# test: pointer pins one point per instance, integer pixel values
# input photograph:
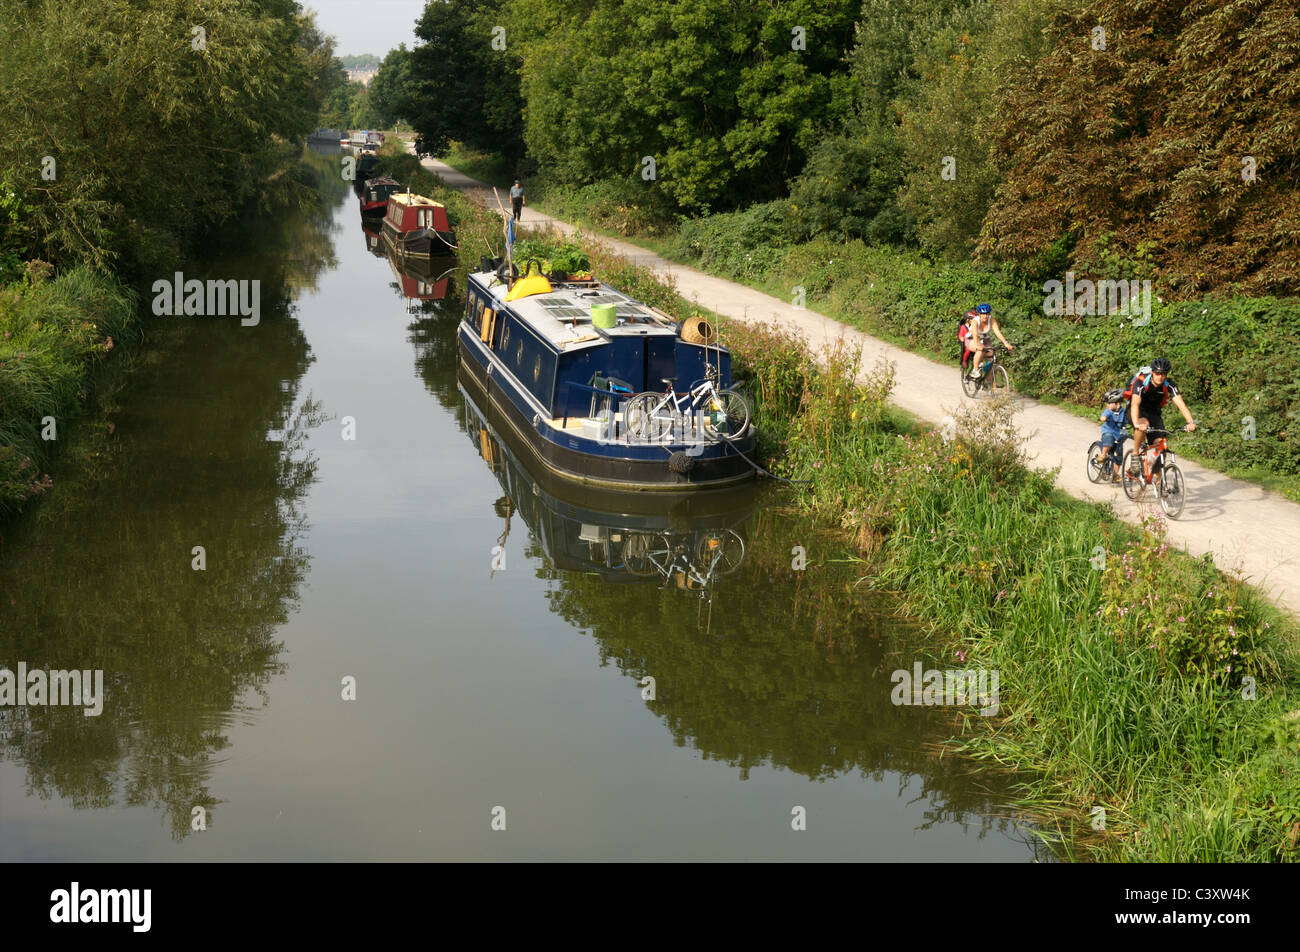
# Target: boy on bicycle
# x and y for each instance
(1114, 421)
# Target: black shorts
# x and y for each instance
(1154, 418)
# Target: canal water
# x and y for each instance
(339, 618)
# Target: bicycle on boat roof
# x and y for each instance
(726, 412)
(1158, 469)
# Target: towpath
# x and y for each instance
(1244, 526)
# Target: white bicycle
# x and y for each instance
(725, 416)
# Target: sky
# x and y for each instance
(367, 26)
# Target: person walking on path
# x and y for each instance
(517, 200)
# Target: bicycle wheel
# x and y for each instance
(1095, 464)
(724, 551)
(1132, 484)
(734, 415)
(1172, 491)
(643, 553)
(1000, 382)
(638, 417)
(969, 385)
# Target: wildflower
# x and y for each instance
(1181, 618)
(1001, 595)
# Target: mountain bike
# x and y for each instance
(1158, 469)
(1104, 464)
(993, 377)
(725, 414)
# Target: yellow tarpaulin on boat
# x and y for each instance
(530, 283)
(533, 284)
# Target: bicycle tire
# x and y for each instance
(1000, 381)
(1094, 468)
(1132, 484)
(636, 554)
(735, 411)
(733, 551)
(969, 385)
(1173, 491)
(638, 415)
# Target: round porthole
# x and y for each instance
(537, 369)
(519, 353)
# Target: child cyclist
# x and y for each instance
(1114, 421)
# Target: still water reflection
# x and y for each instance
(500, 628)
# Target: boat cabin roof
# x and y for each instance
(413, 200)
(563, 315)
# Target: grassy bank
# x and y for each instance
(1123, 662)
(53, 331)
(1234, 357)
(1155, 699)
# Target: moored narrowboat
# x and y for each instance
(375, 192)
(581, 373)
(417, 227)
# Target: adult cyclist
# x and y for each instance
(1151, 390)
(979, 338)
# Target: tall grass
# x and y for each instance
(52, 333)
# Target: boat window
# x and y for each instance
(505, 335)
(537, 368)
(478, 310)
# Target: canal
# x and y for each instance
(339, 618)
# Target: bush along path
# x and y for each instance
(1245, 528)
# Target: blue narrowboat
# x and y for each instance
(564, 361)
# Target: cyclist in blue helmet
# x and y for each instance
(979, 341)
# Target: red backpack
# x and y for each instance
(1144, 374)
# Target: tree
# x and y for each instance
(1170, 135)
(463, 81)
(390, 92)
(155, 116)
(948, 181)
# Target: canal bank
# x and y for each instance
(1139, 685)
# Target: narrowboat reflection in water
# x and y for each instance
(374, 241)
(423, 281)
(688, 543)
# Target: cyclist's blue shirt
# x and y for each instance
(1113, 422)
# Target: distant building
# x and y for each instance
(362, 76)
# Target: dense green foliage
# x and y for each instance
(51, 333)
(458, 84)
(128, 123)
(1178, 136)
(131, 128)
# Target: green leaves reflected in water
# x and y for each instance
(202, 445)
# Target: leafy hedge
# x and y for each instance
(52, 333)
